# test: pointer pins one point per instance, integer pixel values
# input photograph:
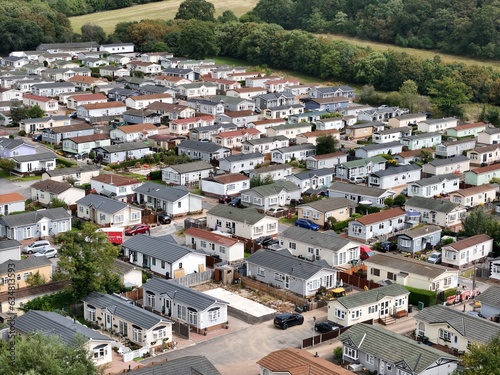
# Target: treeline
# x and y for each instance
(465, 27)
(26, 24)
(78, 7)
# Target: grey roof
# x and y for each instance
(329, 204)
(260, 141)
(392, 347)
(312, 173)
(460, 141)
(303, 146)
(122, 309)
(101, 203)
(189, 297)
(276, 95)
(328, 240)
(357, 189)
(8, 244)
(472, 327)
(291, 125)
(191, 167)
(422, 136)
(177, 71)
(438, 120)
(209, 128)
(189, 365)
(381, 146)
(41, 156)
(53, 85)
(271, 168)
(431, 204)
(394, 130)
(33, 217)
(421, 231)
(273, 189)
(366, 125)
(52, 323)
(490, 296)
(157, 248)
(167, 238)
(167, 193)
(396, 169)
(241, 157)
(249, 215)
(372, 296)
(200, 146)
(47, 46)
(436, 179)
(284, 262)
(360, 162)
(123, 267)
(69, 171)
(24, 264)
(51, 186)
(407, 265)
(128, 146)
(455, 159)
(10, 144)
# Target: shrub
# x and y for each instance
(22, 133)
(339, 227)
(447, 241)
(428, 297)
(66, 163)
(155, 175)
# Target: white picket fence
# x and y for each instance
(129, 356)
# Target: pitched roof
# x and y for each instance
(407, 265)
(239, 157)
(51, 186)
(468, 242)
(422, 136)
(10, 144)
(24, 264)
(200, 146)
(41, 156)
(32, 217)
(469, 126)
(381, 146)
(70, 128)
(115, 179)
(188, 365)
(372, 296)
(436, 179)
(128, 146)
(6, 244)
(299, 362)
(344, 187)
(230, 178)
(327, 240)
(101, 203)
(191, 167)
(488, 168)
(329, 204)
(472, 327)
(211, 236)
(248, 215)
(474, 190)
(381, 216)
(396, 348)
(361, 162)
(189, 297)
(490, 296)
(238, 133)
(69, 171)
(89, 138)
(312, 173)
(11, 197)
(52, 323)
(92, 106)
(396, 169)
(455, 159)
(284, 262)
(329, 155)
(157, 248)
(167, 193)
(82, 97)
(123, 309)
(431, 204)
(137, 128)
(421, 231)
(273, 189)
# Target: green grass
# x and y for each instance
(28, 178)
(285, 220)
(165, 10)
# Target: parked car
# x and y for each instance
(327, 326)
(260, 240)
(225, 199)
(236, 202)
(356, 180)
(270, 242)
(387, 246)
(286, 320)
(48, 252)
(434, 258)
(37, 138)
(137, 229)
(164, 218)
(306, 223)
(36, 246)
(275, 211)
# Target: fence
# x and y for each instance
(356, 281)
(134, 295)
(129, 356)
(322, 337)
(195, 278)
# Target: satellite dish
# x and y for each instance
(366, 203)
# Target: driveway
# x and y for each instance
(21, 187)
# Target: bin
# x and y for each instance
(305, 307)
(410, 309)
(298, 309)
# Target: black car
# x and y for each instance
(269, 242)
(261, 240)
(236, 202)
(325, 327)
(164, 218)
(286, 320)
(37, 138)
(387, 246)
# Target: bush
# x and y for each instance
(428, 297)
(65, 162)
(155, 175)
(339, 227)
(446, 241)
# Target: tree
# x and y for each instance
(87, 257)
(40, 354)
(448, 94)
(482, 359)
(56, 202)
(326, 144)
(198, 40)
(35, 279)
(399, 200)
(389, 201)
(409, 94)
(35, 112)
(425, 156)
(93, 33)
(196, 9)
(227, 16)
(7, 164)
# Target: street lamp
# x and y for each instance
(314, 325)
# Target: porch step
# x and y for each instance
(387, 320)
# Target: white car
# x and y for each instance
(36, 246)
(356, 180)
(49, 252)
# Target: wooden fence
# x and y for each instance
(323, 337)
(195, 278)
(356, 281)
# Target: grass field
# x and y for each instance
(165, 10)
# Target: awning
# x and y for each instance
(107, 193)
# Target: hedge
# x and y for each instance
(66, 163)
(155, 175)
(428, 297)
